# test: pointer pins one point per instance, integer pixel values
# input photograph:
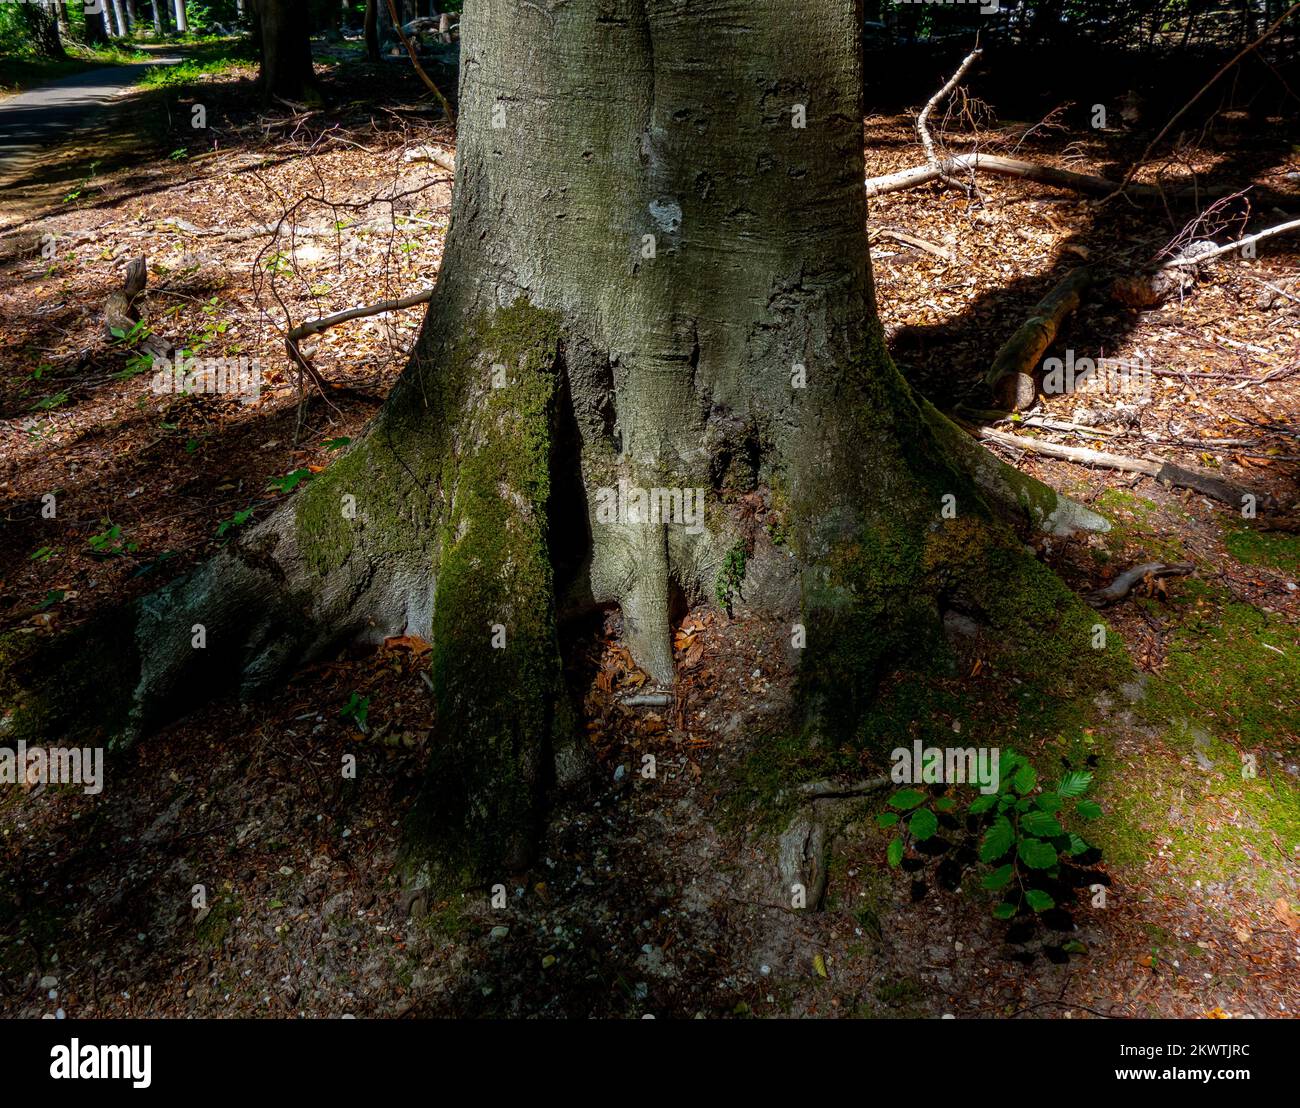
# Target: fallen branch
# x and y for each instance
(1010, 377)
(444, 158)
(914, 241)
(1209, 254)
(1165, 472)
(1124, 583)
(119, 310)
(923, 130)
(826, 790)
(315, 326)
(1031, 171)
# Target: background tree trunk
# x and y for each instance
(97, 24)
(372, 30)
(182, 20)
(286, 50)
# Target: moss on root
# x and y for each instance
(495, 664)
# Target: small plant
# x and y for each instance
(290, 481)
(1024, 840)
(108, 543)
(53, 597)
(136, 364)
(336, 444)
(43, 554)
(137, 334)
(82, 185)
(356, 709)
(730, 575)
(49, 403)
(237, 520)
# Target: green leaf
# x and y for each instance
(983, 803)
(907, 798)
(1077, 845)
(1025, 779)
(1048, 802)
(1041, 824)
(1074, 947)
(1000, 878)
(886, 819)
(1004, 911)
(1037, 854)
(1089, 809)
(945, 804)
(1075, 783)
(895, 852)
(1038, 900)
(923, 824)
(997, 840)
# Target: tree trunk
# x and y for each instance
(97, 26)
(286, 51)
(43, 27)
(157, 17)
(372, 30)
(182, 20)
(656, 278)
(119, 18)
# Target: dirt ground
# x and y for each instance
(653, 894)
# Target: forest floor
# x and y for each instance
(652, 895)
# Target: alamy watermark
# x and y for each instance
(1124, 376)
(630, 504)
(240, 377)
(986, 7)
(57, 765)
(933, 765)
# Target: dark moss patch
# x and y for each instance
(495, 667)
(1275, 549)
(1232, 669)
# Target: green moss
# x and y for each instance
(1210, 825)
(211, 931)
(1136, 524)
(1276, 549)
(1232, 669)
(495, 666)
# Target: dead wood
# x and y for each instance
(1167, 473)
(1010, 377)
(1126, 581)
(120, 313)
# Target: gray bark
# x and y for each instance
(589, 133)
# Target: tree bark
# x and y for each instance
(286, 51)
(97, 26)
(656, 278)
(182, 20)
(372, 30)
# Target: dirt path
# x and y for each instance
(32, 121)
